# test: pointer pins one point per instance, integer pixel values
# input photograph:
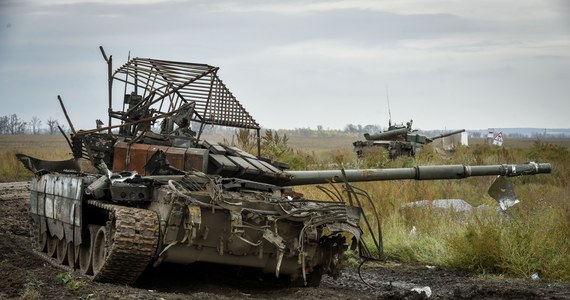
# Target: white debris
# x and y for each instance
(425, 289)
(413, 232)
(504, 204)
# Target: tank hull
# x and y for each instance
(267, 231)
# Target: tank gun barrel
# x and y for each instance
(417, 173)
(446, 134)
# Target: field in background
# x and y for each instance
(525, 143)
(329, 143)
(344, 142)
(531, 237)
(48, 147)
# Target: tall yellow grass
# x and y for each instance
(49, 147)
(529, 238)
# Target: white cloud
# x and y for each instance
(424, 53)
(116, 2)
(482, 9)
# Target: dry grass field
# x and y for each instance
(525, 143)
(49, 147)
(328, 143)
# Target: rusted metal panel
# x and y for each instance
(131, 157)
(175, 157)
(135, 157)
(120, 156)
(138, 157)
(196, 159)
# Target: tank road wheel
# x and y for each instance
(99, 251)
(52, 242)
(61, 252)
(72, 255)
(41, 240)
(85, 260)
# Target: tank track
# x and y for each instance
(132, 239)
(133, 244)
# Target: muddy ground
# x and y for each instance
(24, 275)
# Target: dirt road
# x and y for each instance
(24, 275)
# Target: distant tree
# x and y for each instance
(304, 131)
(4, 124)
(515, 135)
(35, 124)
(21, 129)
(52, 126)
(372, 128)
(15, 125)
(350, 128)
(321, 131)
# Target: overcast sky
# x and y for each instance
(292, 64)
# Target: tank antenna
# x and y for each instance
(66, 115)
(109, 61)
(389, 113)
(127, 78)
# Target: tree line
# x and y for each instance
(12, 124)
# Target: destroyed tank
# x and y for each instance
(398, 140)
(169, 196)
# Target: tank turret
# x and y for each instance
(161, 193)
(386, 135)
